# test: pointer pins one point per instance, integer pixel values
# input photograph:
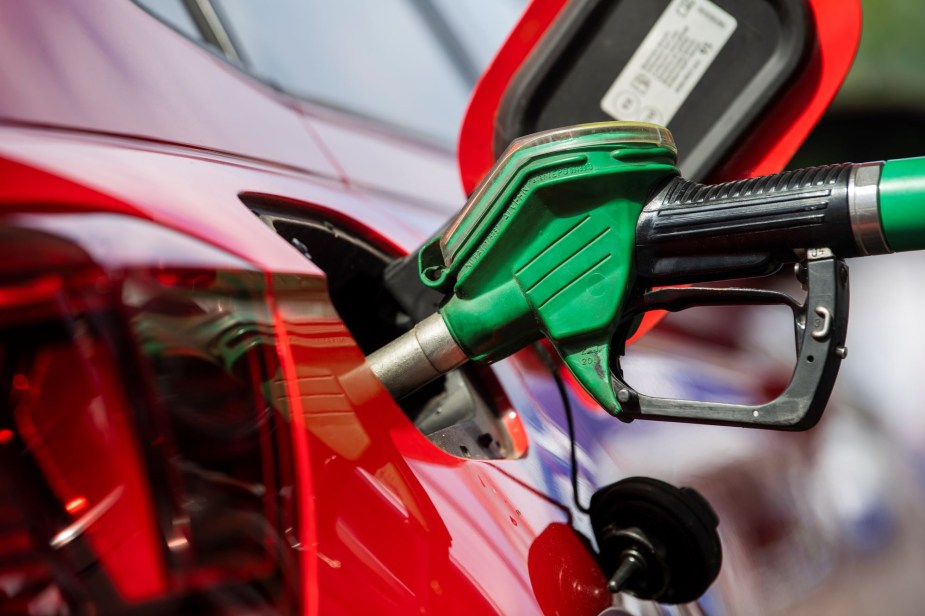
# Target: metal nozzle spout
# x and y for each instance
(417, 357)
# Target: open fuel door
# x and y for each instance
(740, 83)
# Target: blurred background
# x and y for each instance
(880, 114)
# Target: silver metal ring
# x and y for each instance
(417, 357)
(438, 344)
(864, 209)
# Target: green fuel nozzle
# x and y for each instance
(544, 247)
(569, 235)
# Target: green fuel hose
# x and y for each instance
(902, 203)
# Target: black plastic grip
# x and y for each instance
(689, 232)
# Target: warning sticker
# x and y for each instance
(673, 57)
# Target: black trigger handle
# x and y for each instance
(821, 323)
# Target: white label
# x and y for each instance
(675, 54)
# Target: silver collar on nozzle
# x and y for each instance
(864, 209)
(417, 357)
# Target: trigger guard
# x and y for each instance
(819, 354)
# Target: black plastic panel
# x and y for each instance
(568, 74)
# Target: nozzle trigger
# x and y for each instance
(820, 322)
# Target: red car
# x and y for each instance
(199, 205)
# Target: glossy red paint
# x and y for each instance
(118, 71)
(69, 410)
(97, 473)
(416, 528)
(306, 535)
(78, 402)
(380, 506)
(36, 188)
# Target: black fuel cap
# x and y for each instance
(656, 541)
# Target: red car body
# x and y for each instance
(128, 159)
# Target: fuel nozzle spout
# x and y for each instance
(417, 357)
